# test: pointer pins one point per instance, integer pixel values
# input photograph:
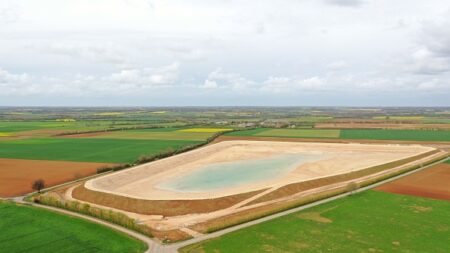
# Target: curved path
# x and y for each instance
(156, 247)
(150, 242)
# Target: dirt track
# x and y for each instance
(433, 183)
(18, 174)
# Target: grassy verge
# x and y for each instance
(29, 229)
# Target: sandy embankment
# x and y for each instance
(141, 182)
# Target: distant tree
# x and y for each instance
(38, 185)
(352, 187)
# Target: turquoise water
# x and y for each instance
(229, 174)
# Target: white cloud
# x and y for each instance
(424, 61)
(267, 51)
(210, 84)
(146, 77)
(228, 80)
(8, 78)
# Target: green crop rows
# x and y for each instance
(86, 149)
(29, 229)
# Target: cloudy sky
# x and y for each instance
(193, 52)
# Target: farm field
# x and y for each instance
(194, 134)
(86, 149)
(64, 158)
(63, 126)
(302, 133)
(432, 182)
(17, 175)
(364, 221)
(414, 135)
(29, 229)
(366, 134)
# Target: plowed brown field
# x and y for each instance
(433, 183)
(17, 175)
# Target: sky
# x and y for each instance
(224, 53)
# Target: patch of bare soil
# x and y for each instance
(430, 183)
(314, 216)
(17, 175)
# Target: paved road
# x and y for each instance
(156, 247)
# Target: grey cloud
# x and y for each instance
(346, 3)
(433, 56)
(260, 28)
(147, 77)
(436, 38)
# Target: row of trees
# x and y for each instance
(84, 208)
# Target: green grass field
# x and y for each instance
(250, 132)
(300, 133)
(372, 134)
(29, 229)
(366, 222)
(294, 133)
(86, 149)
(155, 134)
(385, 134)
